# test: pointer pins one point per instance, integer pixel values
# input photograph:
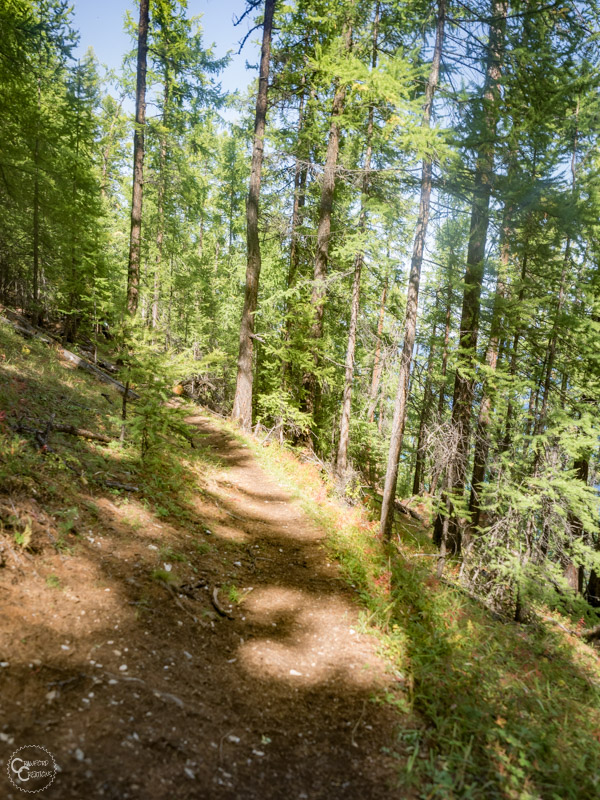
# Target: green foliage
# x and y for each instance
(53, 582)
(489, 709)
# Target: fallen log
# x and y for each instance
(83, 433)
(42, 435)
(28, 333)
(82, 363)
(126, 487)
(406, 510)
(22, 327)
(589, 634)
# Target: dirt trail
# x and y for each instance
(135, 699)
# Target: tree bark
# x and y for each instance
(482, 436)
(160, 200)
(464, 382)
(410, 319)
(424, 417)
(378, 361)
(300, 178)
(135, 239)
(242, 404)
(442, 397)
(342, 454)
(311, 385)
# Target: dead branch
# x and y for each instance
(404, 509)
(82, 363)
(21, 326)
(218, 607)
(126, 487)
(83, 433)
(590, 634)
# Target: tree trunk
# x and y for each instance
(482, 436)
(342, 454)
(311, 386)
(36, 239)
(378, 362)
(160, 201)
(410, 319)
(442, 397)
(135, 240)
(36, 214)
(464, 382)
(574, 572)
(424, 418)
(300, 177)
(514, 358)
(242, 404)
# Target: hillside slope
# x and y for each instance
(190, 637)
(204, 631)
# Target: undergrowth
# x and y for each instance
(495, 709)
(62, 481)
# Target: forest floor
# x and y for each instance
(231, 629)
(141, 688)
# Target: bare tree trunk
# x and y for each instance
(160, 201)
(242, 404)
(300, 177)
(135, 240)
(378, 362)
(426, 406)
(36, 215)
(442, 397)
(410, 319)
(574, 572)
(464, 382)
(482, 436)
(311, 385)
(36, 239)
(342, 454)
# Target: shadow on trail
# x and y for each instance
(142, 692)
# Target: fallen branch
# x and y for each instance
(156, 692)
(126, 487)
(403, 509)
(28, 331)
(218, 607)
(591, 633)
(176, 600)
(82, 363)
(83, 433)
